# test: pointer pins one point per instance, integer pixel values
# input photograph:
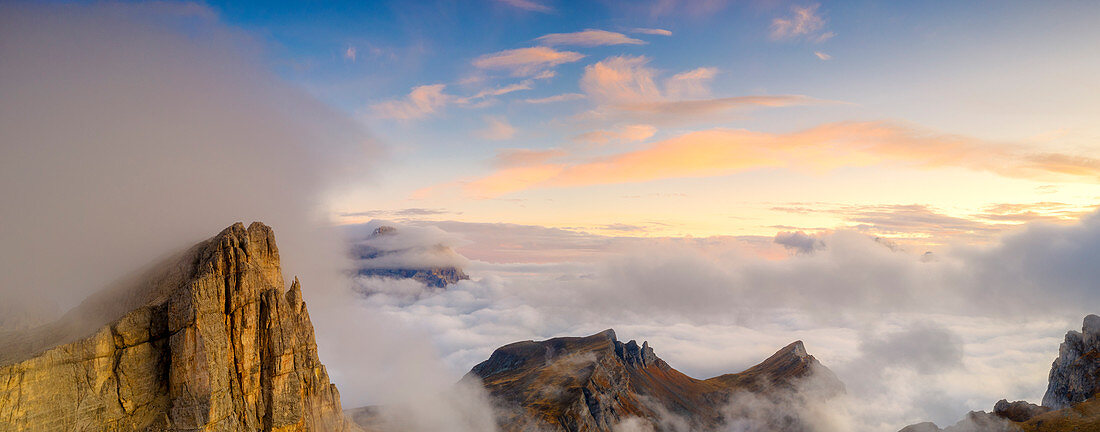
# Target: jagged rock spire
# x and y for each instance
(1075, 374)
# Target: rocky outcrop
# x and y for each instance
(1069, 403)
(598, 383)
(437, 277)
(209, 340)
(1075, 374)
(1019, 411)
(385, 253)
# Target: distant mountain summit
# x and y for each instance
(388, 252)
(598, 383)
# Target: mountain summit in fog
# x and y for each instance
(390, 252)
(208, 340)
(598, 383)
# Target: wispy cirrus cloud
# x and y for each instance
(507, 158)
(405, 213)
(625, 86)
(500, 91)
(426, 100)
(589, 38)
(651, 31)
(526, 61)
(718, 152)
(923, 225)
(422, 101)
(529, 5)
(804, 22)
(694, 8)
(621, 80)
(690, 84)
(497, 128)
(629, 133)
(556, 98)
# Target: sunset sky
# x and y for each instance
(911, 188)
(664, 118)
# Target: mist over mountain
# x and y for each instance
(423, 254)
(464, 190)
(597, 383)
(210, 339)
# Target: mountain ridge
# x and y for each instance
(598, 383)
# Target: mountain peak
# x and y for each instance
(793, 355)
(1075, 375)
(409, 253)
(796, 348)
(1091, 325)
(384, 230)
(207, 340)
(594, 382)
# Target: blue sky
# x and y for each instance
(1000, 75)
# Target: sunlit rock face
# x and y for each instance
(209, 340)
(598, 383)
(1075, 374)
(388, 252)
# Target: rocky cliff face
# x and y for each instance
(1075, 374)
(597, 383)
(209, 340)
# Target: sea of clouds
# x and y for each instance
(143, 128)
(914, 336)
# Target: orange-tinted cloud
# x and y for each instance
(589, 38)
(652, 31)
(529, 5)
(509, 158)
(726, 151)
(803, 21)
(628, 133)
(626, 87)
(421, 101)
(690, 84)
(497, 128)
(556, 98)
(526, 61)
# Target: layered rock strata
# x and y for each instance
(207, 341)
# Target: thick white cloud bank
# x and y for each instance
(914, 337)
